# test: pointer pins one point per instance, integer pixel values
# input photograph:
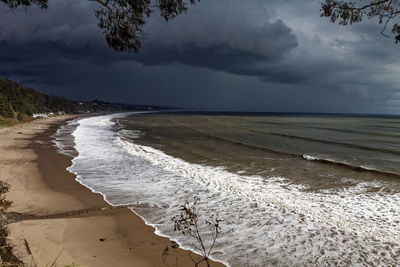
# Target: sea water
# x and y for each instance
(291, 190)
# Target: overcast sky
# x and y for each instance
(248, 55)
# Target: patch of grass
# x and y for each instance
(5, 122)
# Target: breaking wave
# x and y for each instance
(265, 221)
(350, 166)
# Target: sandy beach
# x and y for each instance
(57, 215)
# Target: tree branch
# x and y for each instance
(370, 5)
(111, 11)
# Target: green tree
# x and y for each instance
(122, 21)
(349, 12)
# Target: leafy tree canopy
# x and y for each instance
(349, 12)
(122, 21)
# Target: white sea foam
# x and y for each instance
(308, 157)
(266, 221)
(63, 139)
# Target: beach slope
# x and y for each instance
(58, 216)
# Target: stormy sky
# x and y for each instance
(253, 55)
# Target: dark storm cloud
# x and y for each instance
(247, 46)
(234, 46)
(279, 51)
(230, 36)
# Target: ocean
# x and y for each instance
(290, 189)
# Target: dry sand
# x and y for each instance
(57, 215)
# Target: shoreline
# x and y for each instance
(66, 217)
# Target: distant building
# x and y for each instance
(47, 115)
(40, 115)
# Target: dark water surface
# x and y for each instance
(319, 152)
(291, 190)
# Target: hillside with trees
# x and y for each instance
(19, 104)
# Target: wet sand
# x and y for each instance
(58, 216)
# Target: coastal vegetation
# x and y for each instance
(7, 258)
(20, 104)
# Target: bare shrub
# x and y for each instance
(188, 223)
